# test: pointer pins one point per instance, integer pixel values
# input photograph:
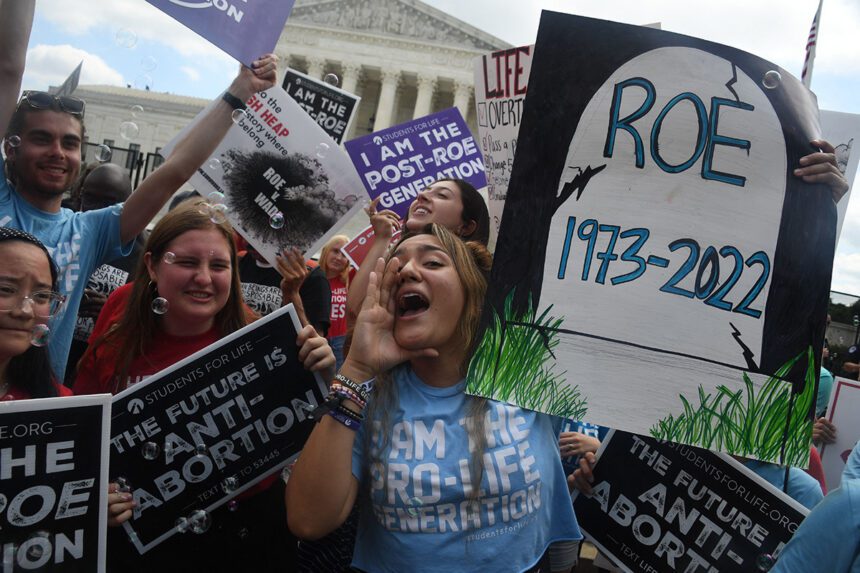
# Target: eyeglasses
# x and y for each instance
(43, 303)
(44, 100)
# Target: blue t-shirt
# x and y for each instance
(829, 538)
(423, 520)
(852, 464)
(78, 243)
(802, 487)
(825, 385)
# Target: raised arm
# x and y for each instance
(16, 20)
(384, 224)
(193, 150)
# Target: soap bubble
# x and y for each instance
(322, 150)
(229, 484)
(103, 153)
(144, 82)
(238, 115)
(218, 213)
(764, 562)
(160, 305)
(169, 258)
(331, 79)
(286, 472)
(232, 505)
(276, 221)
(214, 164)
(148, 63)
(116, 209)
(199, 521)
(128, 130)
(136, 111)
(40, 335)
(150, 450)
(243, 533)
(201, 449)
(181, 524)
(771, 79)
(216, 197)
(126, 38)
(13, 141)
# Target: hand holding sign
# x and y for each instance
(821, 167)
(261, 76)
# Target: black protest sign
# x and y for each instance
(214, 424)
(332, 108)
(53, 484)
(662, 506)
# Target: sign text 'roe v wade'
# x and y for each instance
(245, 30)
(277, 176)
(659, 506)
(399, 162)
(53, 483)
(656, 249)
(209, 427)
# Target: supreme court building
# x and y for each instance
(404, 58)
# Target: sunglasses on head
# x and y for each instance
(44, 100)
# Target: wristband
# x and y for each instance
(332, 401)
(358, 417)
(363, 390)
(234, 102)
(353, 425)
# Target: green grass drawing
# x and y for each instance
(749, 421)
(514, 363)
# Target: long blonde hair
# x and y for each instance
(327, 250)
(472, 262)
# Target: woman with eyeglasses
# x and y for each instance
(28, 299)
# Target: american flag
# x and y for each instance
(806, 75)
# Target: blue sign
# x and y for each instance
(401, 161)
(245, 29)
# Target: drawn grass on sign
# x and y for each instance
(749, 421)
(514, 363)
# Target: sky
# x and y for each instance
(126, 42)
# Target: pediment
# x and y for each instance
(403, 18)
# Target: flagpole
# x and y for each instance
(811, 41)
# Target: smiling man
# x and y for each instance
(42, 148)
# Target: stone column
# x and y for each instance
(316, 67)
(283, 61)
(349, 77)
(385, 107)
(462, 97)
(424, 99)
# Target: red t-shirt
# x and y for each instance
(338, 305)
(97, 369)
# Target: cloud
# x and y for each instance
(846, 273)
(192, 73)
(144, 20)
(51, 65)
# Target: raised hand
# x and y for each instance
(291, 266)
(374, 348)
(384, 223)
(261, 76)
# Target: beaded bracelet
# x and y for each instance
(345, 420)
(348, 394)
(351, 413)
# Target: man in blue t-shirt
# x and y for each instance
(42, 149)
